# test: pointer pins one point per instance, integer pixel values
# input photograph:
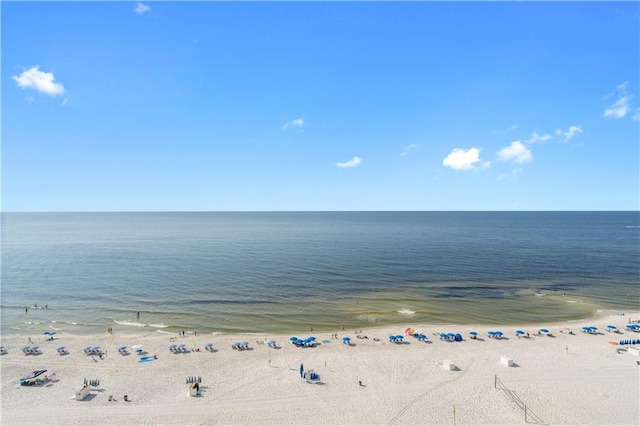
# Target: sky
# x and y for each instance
(320, 106)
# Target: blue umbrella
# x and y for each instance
(346, 339)
(612, 327)
(293, 339)
(399, 336)
(519, 332)
(311, 338)
(421, 336)
(473, 333)
(544, 330)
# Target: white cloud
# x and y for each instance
(569, 134)
(141, 8)
(38, 80)
(535, 137)
(517, 152)
(298, 122)
(354, 162)
(460, 159)
(408, 148)
(621, 106)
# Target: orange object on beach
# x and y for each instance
(611, 342)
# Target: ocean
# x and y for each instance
(290, 272)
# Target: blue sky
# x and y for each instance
(211, 106)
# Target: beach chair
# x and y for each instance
(34, 350)
(2, 350)
(26, 350)
(122, 350)
(62, 350)
(208, 346)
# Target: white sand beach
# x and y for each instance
(565, 379)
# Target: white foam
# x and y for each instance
(129, 323)
(158, 325)
(406, 311)
(166, 332)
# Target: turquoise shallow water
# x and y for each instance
(277, 272)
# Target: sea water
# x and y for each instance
(286, 272)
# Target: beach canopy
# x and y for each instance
(544, 330)
(473, 333)
(34, 374)
(346, 339)
(519, 332)
(612, 327)
(421, 336)
(293, 338)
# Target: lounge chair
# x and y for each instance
(62, 350)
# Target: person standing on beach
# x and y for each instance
(138, 315)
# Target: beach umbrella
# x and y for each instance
(293, 338)
(346, 339)
(301, 370)
(421, 336)
(473, 333)
(408, 331)
(612, 327)
(544, 330)
(311, 338)
(519, 332)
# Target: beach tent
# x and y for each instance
(346, 339)
(458, 337)
(544, 330)
(34, 378)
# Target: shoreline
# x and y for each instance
(150, 330)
